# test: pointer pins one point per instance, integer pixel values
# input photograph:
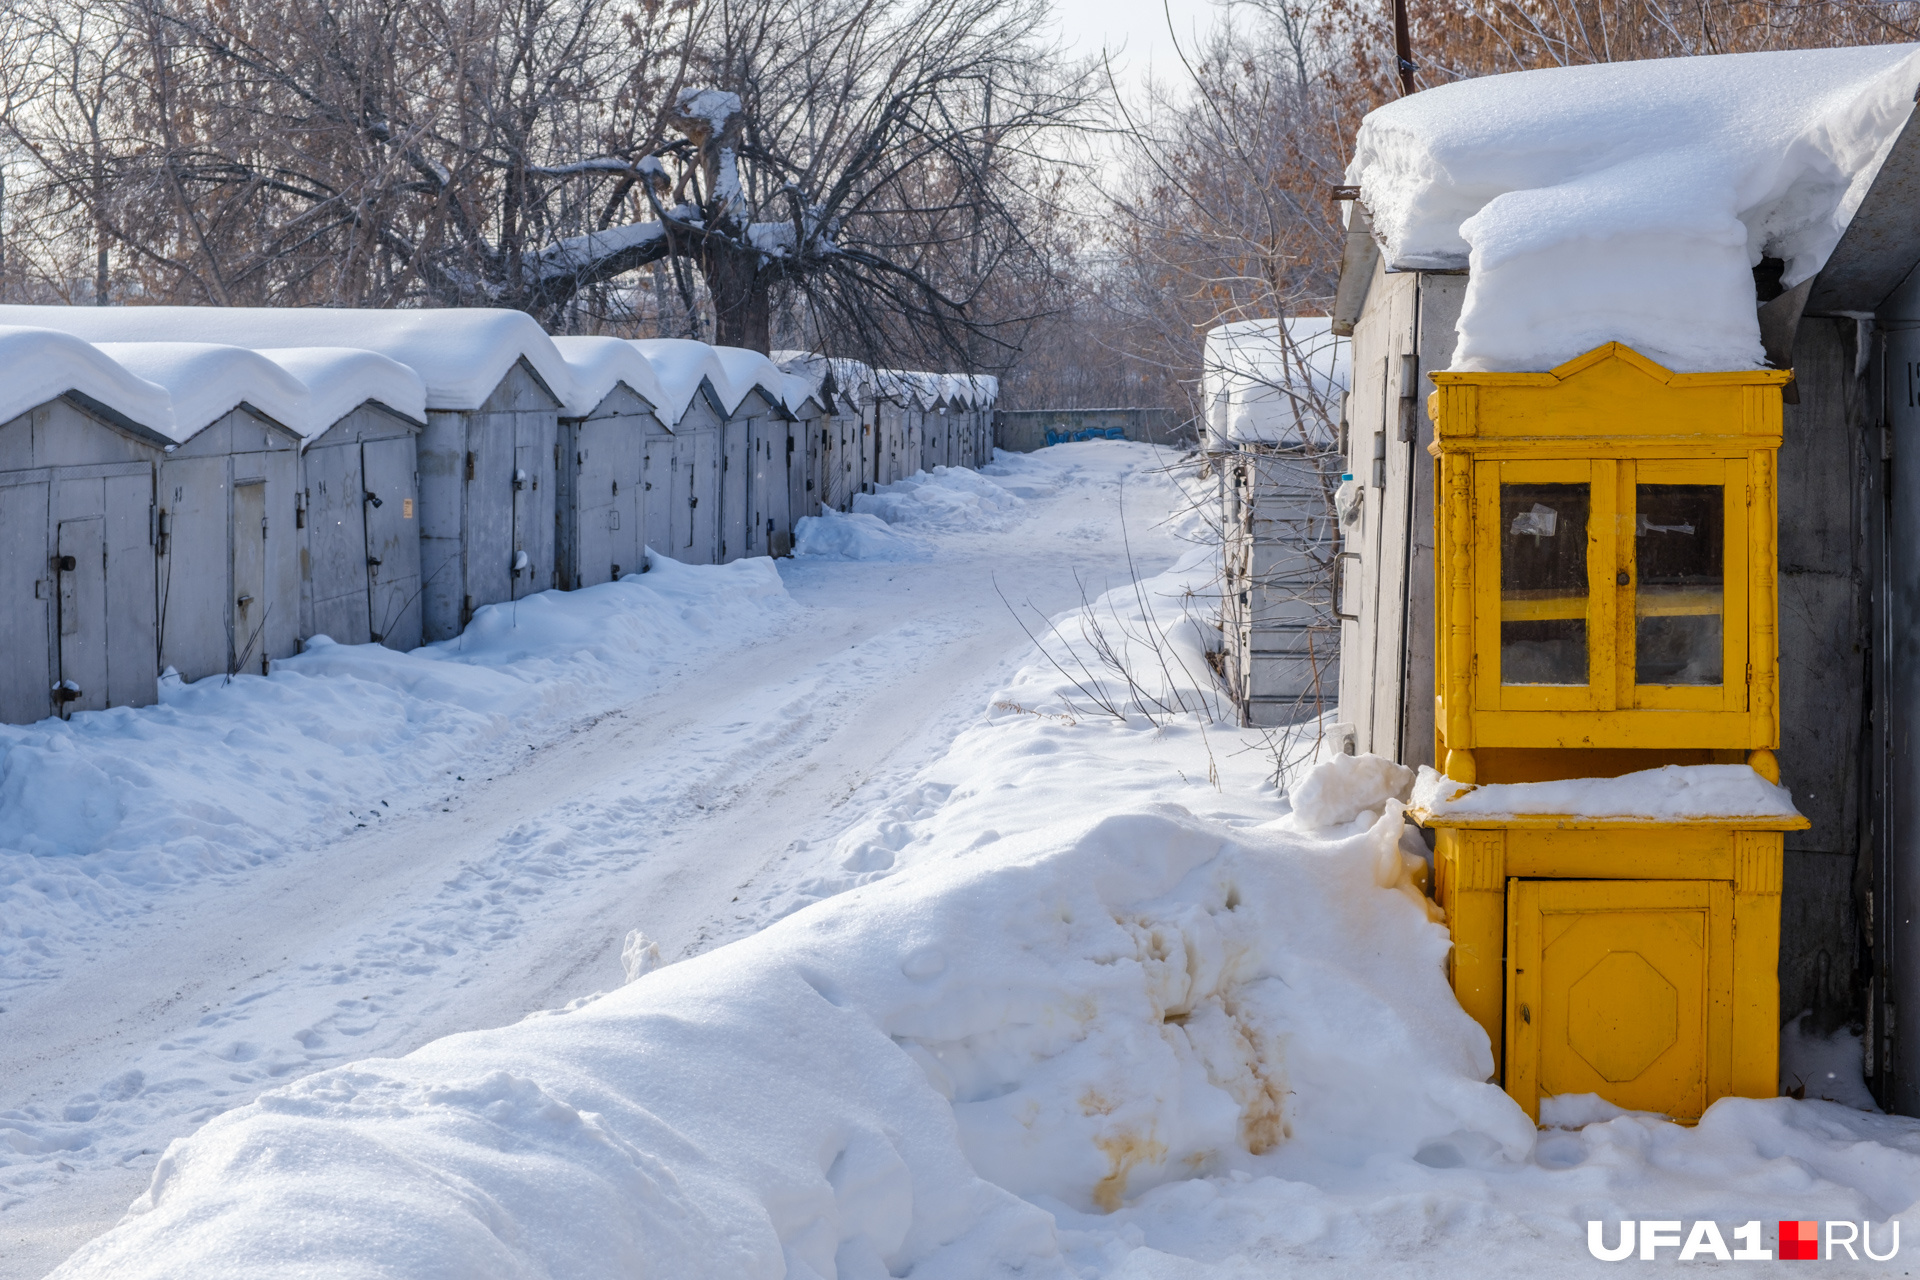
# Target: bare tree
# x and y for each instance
(865, 160)
(856, 169)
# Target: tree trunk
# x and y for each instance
(742, 304)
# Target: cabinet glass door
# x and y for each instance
(1687, 583)
(1543, 583)
(1679, 603)
(1544, 634)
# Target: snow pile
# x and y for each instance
(99, 811)
(1628, 201)
(1273, 382)
(748, 371)
(1673, 793)
(1344, 787)
(945, 500)
(1087, 1000)
(173, 370)
(837, 535)
(950, 499)
(1061, 994)
(855, 383)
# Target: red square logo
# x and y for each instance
(1800, 1240)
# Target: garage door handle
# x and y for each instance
(1339, 585)
(65, 564)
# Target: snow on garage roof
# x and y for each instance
(746, 370)
(341, 379)
(681, 365)
(1263, 385)
(461, 354)
(44, 364)
(601, 364)
(1629, 201)
(205, 380)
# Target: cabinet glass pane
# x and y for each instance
(1543, 583)
(1678, 602)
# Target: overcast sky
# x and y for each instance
(1138, 25)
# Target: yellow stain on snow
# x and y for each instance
(1124, 1149)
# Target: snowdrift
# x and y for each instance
(1068, 1006)
(1113, 998)
(883, 524)
(99, 811)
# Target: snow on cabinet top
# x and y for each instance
(205, 381)
(1265, 384)
(1673, 793)
(461, 354)
(44, 364)
(1630, 201)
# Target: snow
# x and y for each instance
(715, 106)
(307, 368)
(1081, 993)
(576, 253)
(1344, 787)
(461, 354)
(681, 365)
(205, 381)
(1827, 1068)
(171, 794)
(598, 365)
(839, 535)
(1264, 383)
(884, 524)
(746, 371)
(341, 379)
(43, 364)
(1629, 201)
(295, 921)
(1674, 793)
(946, 498)
(856, 382)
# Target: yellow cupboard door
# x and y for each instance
(1620, 988)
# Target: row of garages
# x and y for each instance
(206, 489)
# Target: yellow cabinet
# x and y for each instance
(1607, 579)
(1605, 601)
(1620, 988)
(1633, 960)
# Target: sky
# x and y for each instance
(1136, 30)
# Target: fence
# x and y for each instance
(1025, 430)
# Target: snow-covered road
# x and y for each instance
(510, 883)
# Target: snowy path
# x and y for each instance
(515, 891)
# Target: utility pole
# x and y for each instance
(1403, 47)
